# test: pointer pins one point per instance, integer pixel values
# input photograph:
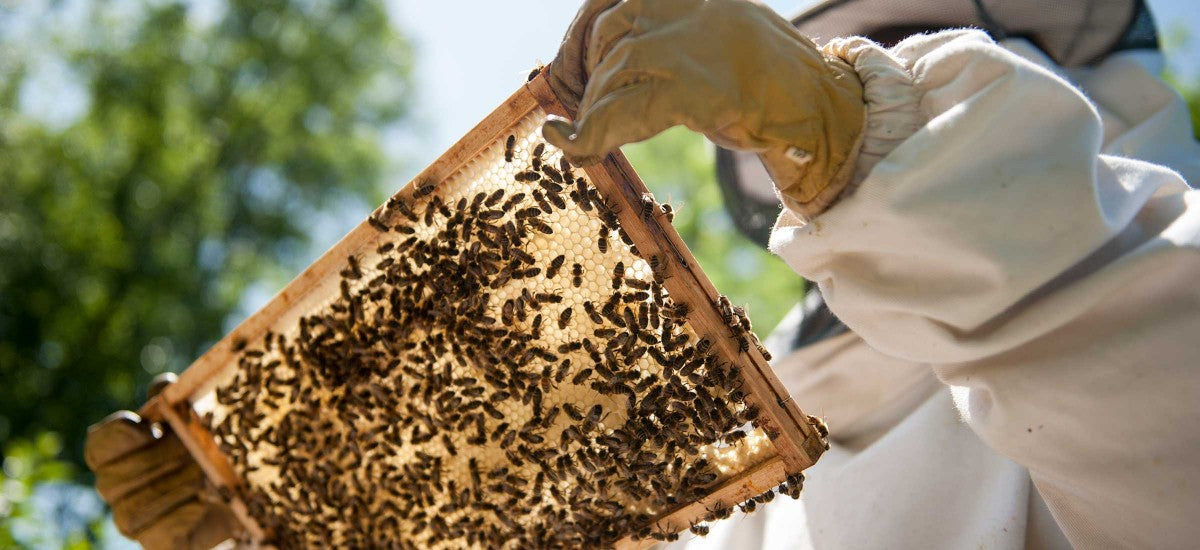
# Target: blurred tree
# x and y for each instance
(197, 156)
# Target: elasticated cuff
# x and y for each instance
(893, 115)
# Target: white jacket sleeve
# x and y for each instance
(1054, 288)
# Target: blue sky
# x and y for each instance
(472, 55)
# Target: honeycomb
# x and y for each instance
(501, 368)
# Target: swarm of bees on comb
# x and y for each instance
(502, 369)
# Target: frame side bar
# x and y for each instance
(201, 445)
(799, 450)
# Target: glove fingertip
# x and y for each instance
(116, 435)
(160, 382)
(558, 131)
(562, 133)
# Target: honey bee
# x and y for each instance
(636, 297)
(602, 243)
(507, 312)
(555, 265)
(647, 206)
(553, 174)
(668, 212)
(664, 536)
(404, 209)
(563, 369)
(594, 416)
(491, 410)
(540, 198)
(658, 268)
(584, 198)
(629, 318)
(564, 318)
(493, 199)
(592, 314)
(509, 144)
(507, 439)
(527, 176)
(476, 479)
(538, 150)
(577, 275)
(512, 201)
(618, 275)
(750, 414)
(449, 445)
(625, 238)
(570, 347)
(719, 512)
(354, 271)
(541, 226)
(424, 189)
(822, 428)
(430, 212)
(734, 437)
(725, 309)
(551, 188)
(581, 376)
(766, 354)
(378, 225)
(637, 283)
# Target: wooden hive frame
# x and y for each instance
(797, 442)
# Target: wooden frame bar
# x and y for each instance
(796, 442)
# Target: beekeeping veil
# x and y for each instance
(1072, 32)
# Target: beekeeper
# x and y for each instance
(1006, 229)
(1014, 255)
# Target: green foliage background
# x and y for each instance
(130, 234)
(205, 159)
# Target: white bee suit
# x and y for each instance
(1033, 294)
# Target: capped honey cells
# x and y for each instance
(499, 369)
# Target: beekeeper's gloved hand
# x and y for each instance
(156, 490)
(731, 69)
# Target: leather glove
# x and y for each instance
(158, 494)
(730, 69)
